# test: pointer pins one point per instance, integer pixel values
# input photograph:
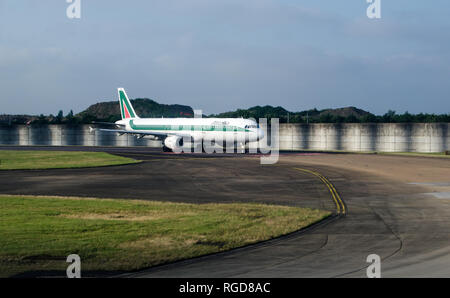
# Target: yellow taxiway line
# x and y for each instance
(340, 206)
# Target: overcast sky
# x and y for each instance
(219, 55)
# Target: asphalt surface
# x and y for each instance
(397, 207)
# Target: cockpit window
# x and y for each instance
(252, 126)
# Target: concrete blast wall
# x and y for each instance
(391, 137)
(65, 135)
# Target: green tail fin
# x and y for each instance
(126, 109)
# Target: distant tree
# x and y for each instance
(41, 119)
(389, 116)
(352, 119)
(87, 118)
(112, 118)
(70, 118)
(326, 118)
(405, 118)
(59, 117)
(369, 118)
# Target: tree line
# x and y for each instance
(344, 115)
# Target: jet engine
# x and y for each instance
(173, 142)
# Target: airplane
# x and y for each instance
(176, 132)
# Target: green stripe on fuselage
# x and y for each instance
(187, 127)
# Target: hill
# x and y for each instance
(144, 107)
(254, 112)
(347, 114)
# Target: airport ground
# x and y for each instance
(396, 206)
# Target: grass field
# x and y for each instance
(14, 160)
(38, 233)
(425, 154)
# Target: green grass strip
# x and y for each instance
(24, 160)
(38, 233)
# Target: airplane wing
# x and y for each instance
(108, 123)
(160, 135)
(123, 131)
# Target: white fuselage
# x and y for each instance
(199, 129)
